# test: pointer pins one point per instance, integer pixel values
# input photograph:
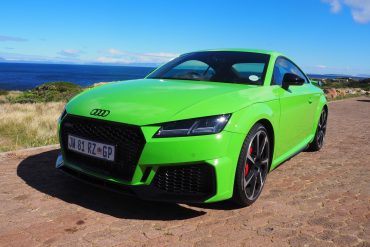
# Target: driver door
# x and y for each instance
(295, 108)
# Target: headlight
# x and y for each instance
(193, 127)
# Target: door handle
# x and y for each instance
(310, 100)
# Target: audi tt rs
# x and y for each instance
(205, 127)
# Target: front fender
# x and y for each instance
(243, 120)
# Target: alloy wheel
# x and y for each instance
(321, 128)
(256, 164)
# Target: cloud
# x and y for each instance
(113, 51)
(331, 69)
(4, 38)
(73, 56)
(123, 57)
(335, 5)
(70, 52)
(360, 9)
(162, 55)
(18, 57)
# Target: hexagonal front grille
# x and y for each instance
(128, 140)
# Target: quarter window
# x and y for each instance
(249, 71)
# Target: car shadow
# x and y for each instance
(364, 100)
(38, 171)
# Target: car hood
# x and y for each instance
(150, 101)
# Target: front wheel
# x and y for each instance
(253, 166)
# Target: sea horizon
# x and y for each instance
(27, 75)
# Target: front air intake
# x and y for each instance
(186, 181)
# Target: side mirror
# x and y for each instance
(317, 83)
(290, 79)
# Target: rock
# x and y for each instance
(331, 93)
(99, 84)
(350, 91)
(341, 92)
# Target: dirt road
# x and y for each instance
(315, 199)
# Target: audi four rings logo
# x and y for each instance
(99, 112)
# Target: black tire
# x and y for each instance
(318, 140)
(253, 165)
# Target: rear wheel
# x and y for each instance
(318, 140)
(253, 166)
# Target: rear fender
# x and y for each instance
(320, 107)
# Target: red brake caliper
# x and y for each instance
(246, 169)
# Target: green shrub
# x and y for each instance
(3, 92)
(48, 92)
(335, 83)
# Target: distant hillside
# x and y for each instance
(364, 75)
(335, 76)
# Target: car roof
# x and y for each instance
(272, 53)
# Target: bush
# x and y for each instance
(333, 83)
(3, 92)
(367, 80)
(48, 92)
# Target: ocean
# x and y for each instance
(24, 76)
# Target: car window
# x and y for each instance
(283, 66)
(191, 66)
(249, 71)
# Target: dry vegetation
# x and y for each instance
(5, 95)
(28, 125)
(29, 118)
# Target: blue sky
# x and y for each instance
(323, 36)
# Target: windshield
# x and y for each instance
(216, 66)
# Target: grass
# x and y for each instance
(28, 125)
(29, 118)
(6, 95)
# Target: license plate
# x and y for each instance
(91, 148)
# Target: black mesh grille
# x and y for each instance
(128, 140)
(186, 180)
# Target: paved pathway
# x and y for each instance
(315, 199)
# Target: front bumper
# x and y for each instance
(181, 169)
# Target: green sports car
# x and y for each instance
(205, 127)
